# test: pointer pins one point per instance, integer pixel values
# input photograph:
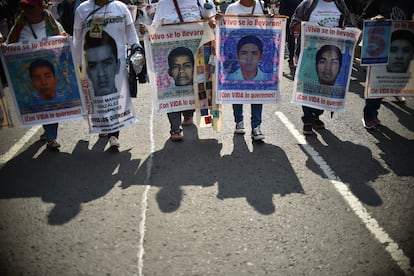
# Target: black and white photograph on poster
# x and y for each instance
(396, 77)
(100, 45)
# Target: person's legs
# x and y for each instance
(51, 131)
(255, 121)
(238, 118)
(113, 139)
(188, 117)
(290, 38)
(175, 125)
(311, 117)
(256, 112)
(371, 108)
(51, 135)
(238, 113)
(115, 134)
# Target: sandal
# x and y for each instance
(52, 144)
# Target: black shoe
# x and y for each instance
(307, 129)
(318, 124)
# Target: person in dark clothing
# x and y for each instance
(288, 7)
(381, 10)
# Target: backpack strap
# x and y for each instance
(177, 8)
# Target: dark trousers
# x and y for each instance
(310, 114)
(371, 108)
(175, 119)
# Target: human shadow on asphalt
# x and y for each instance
(256, 175)
(193, 161)
(396, 150)
(352, 163)
(66, 179)
(404, 113)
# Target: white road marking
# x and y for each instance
(6, 157)
(144, 199)
(391, 246)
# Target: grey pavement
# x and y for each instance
(217, 203)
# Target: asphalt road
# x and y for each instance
(338, 203)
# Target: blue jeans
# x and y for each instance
(256, 111)
(51, 131)
(371, 108)
(310, 114)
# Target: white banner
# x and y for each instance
(170, 54)
(396, 77)
(43, 81)
(324, 66)
(250, 53)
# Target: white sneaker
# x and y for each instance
(240, 128)
(400, 99)
(113, 141)
(257, 134)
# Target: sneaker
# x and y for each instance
(113, 142)
(318, 124)
(400, 99)
(307, 129)
(177, 136)
(187, 121)
(370, 123)
(52, 144)
(257, 134)
(240, 128)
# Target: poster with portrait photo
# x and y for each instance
(105, 79)
(376, 36)
(170, 55)
(324, 66)
(43, 80)
(250, 52)
(396, 77)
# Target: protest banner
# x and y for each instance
(245, 75)
(376, 37)
(104, 74)
(43, 81)
(172, 84)
(396, 77)
(322, 82)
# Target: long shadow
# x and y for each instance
(254, 175)
(403, 112)
(257, 175)
(352, 163)
(397, 151)
(66, 180)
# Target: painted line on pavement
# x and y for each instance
(6, 157)
(144, 199)
(390, 245)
